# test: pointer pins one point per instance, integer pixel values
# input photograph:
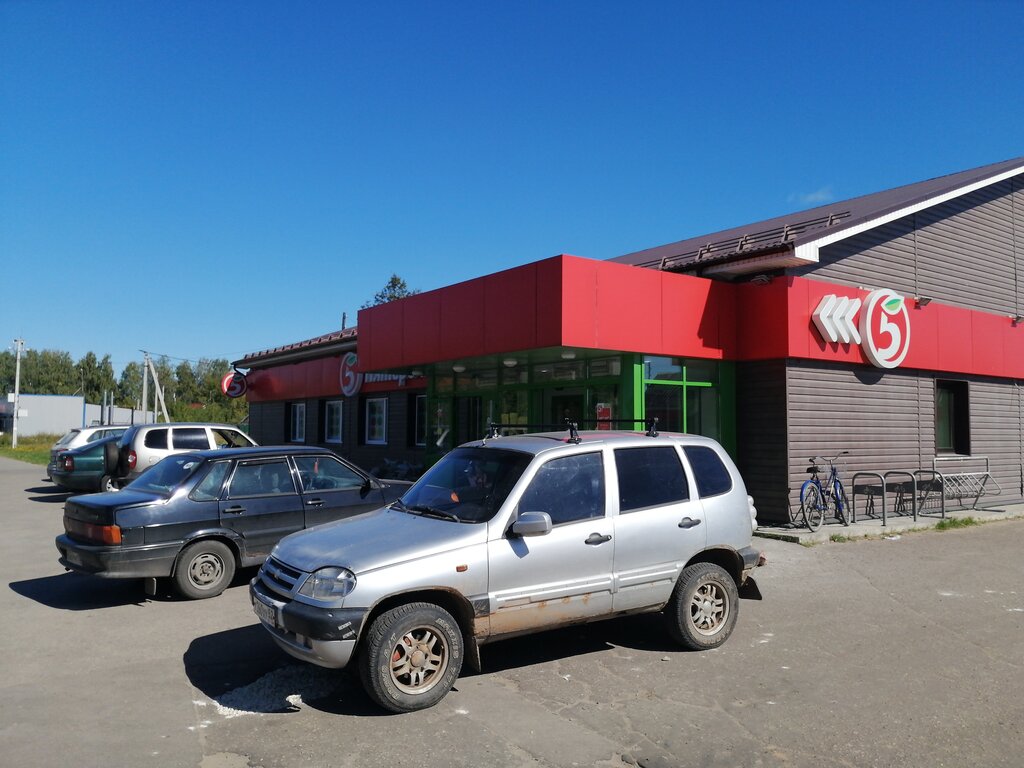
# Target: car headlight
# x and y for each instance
(329, 584)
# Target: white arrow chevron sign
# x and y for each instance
(834, 319)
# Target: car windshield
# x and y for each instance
(67, 438)
(167, 475)
(468, 485)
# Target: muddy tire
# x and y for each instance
(702, 611)
(204, 569)
(411, 657)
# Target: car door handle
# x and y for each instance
(597, 538)
(688, 522)
(314, 502)
(235, 510)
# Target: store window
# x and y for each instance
(376, 421)
(952, 418)
(683, 395)
(333, 411)
(297, 423)
(419, 416)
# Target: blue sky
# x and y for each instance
(209, 179)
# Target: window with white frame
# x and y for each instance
(376, 421)
(332, 421)
(297, 425)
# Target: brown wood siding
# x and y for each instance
(879, 418)
(267, 423)
(887, 422)
(761, 436)
(996, 433)
(965, 252)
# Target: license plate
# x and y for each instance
(267, 613)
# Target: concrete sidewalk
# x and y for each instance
(871, 527)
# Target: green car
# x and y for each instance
(87, 468)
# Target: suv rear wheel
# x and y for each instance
(412, 657)
(701, 613)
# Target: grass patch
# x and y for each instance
(955, 522)
(33, 450)
(841, 538)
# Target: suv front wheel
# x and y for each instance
(701, 613)
(412, 656)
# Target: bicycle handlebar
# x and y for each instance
(826, 458)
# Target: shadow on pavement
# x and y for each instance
(76, 592)
(49, 494)
(244, 672)
(645, 632)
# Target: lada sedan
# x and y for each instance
(511, 535)
(196, 517)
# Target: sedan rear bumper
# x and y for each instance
(117, 562)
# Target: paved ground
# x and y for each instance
(905, 651)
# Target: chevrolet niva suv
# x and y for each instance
(144, 445)
(511, 535)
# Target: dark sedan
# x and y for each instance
(87, 468)
(196, 517)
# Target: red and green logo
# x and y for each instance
(885, 328)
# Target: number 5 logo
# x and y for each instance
(885, 320)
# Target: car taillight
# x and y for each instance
(69, 463)
(104, 534)
(132, 459)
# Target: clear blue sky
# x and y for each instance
(209, 179)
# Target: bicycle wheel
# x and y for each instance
(839, 504)
(811, 507)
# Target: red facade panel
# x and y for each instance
(513, 320)
(987, 342)
(421, 340)
(763, 320)
(574, 302)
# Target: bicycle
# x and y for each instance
(816, 497)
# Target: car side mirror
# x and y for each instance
(532, 524)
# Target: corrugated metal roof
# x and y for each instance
(784, 233)
(314, 346)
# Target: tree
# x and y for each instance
(48, 372)
(95, 377)
(394, 289)
(6, 372)
(129, 387)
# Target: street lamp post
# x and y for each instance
(19, 344)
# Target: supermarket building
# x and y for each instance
(889, 325)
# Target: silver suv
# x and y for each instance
(511, 535)
(144, 445)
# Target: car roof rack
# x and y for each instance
(494, 428)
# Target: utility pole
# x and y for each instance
(19, 344)
(145, 387)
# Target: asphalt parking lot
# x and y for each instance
(907, 651)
